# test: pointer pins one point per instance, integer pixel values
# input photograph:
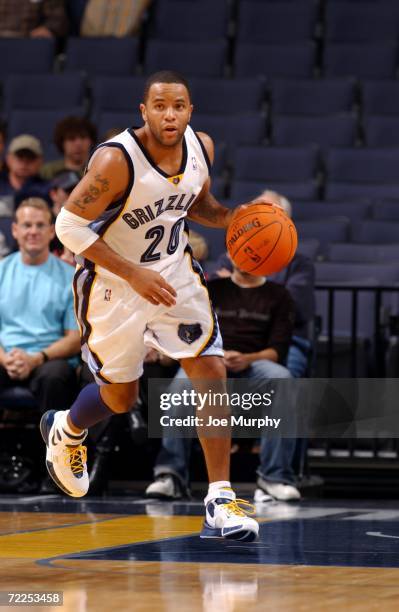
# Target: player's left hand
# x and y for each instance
(236, 361)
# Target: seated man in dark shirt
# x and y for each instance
(299, 278)
(256, 319)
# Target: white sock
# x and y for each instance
(64, 424)
(214, 487)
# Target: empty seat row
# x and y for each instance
(277, 21)
(201, 58)
(303, 97)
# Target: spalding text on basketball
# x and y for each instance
(243, 230)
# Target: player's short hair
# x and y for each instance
(165, 76)
(71, 127)
(38, 204)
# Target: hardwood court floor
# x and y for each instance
(135, 555)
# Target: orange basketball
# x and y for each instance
(261, 239)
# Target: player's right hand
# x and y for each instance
(152, 287)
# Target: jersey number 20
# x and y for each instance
(157, 233)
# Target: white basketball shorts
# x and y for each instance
(118, 326)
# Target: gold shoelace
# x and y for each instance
(240, 507)
(75, 457)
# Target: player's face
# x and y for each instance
(33, 231)
(167, 111)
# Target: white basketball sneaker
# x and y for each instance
(226, 518)
(65, 457)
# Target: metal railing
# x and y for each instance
(381, 327)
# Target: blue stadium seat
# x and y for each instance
(26, 56)
(336, 230)
(245, 191)
(286, 170)
(279, 164)
(381, 131)
(44, 91)
(219, 163)
(387, 210)
(275, 61)
(358, 273)
(362, 173)
(364, 61)
(307, 211)
(202, 59)
(116, 94)
(352, 275)
(329, 131)
(218, 187)
(198, 21)
(215, 239)
(379, 232)
(106, 56)
(259, 22)
(364, 253)
(39, 123)
(108, 121)
(380, 97)
(310, 97)
(227, 96)
(362, 22)
(233, 130)
(309, 247)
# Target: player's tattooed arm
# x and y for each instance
(105, 182)
(93, 191)
(207, 211)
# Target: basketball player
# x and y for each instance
(137, 287)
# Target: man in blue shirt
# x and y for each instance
(38, 330)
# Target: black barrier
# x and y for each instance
(379, 339)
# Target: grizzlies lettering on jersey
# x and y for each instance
(146, 226)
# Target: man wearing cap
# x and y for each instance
(21, 178)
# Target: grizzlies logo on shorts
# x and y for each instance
(189, 333)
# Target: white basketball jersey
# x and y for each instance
(146, 226)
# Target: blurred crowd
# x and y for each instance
(61, 18)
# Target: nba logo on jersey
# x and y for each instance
(107, 295)
(194, 163)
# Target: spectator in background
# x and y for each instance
(112, 17)
(256, 319)
(75, 10)
(38, 330)
(298, 277)
(21, 177)
(61, 187)
(198, 245)
(3, 138)
(33, 18)
(74, 138)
